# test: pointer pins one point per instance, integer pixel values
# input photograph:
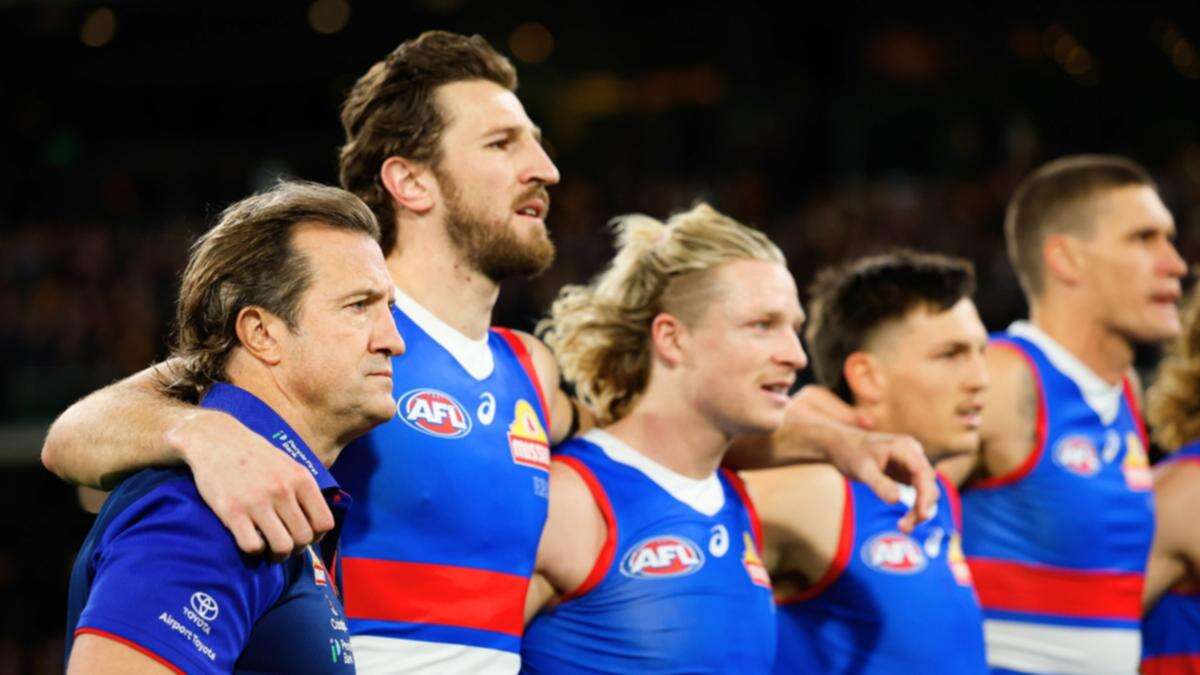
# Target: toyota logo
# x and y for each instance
(204, 605)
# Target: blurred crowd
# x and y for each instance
(91, 301)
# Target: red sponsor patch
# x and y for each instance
(895, 553)
(662, 557)
(434, 412)
(1078, 455)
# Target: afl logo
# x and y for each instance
(1078, 455)
(662, 557)
(434, 412)
(894, 553)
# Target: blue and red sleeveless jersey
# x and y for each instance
(1058, 547)
(673, 590)
(450, 501)
(889, 602)
(1171, 629)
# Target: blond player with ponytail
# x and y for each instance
(686, 341)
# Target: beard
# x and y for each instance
(491, 248)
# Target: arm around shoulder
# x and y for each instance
(252, 486)
(115, 431)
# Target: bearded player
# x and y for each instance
(450, 495)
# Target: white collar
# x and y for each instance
(1102, 397)
(473, 355)
(705, 495)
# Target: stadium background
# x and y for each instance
(127, 127)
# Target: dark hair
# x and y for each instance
(247, 259)
(392, 111)
(1048, 200)
(849, 302)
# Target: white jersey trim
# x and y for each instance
(1102, 397)
(473, 355)
(1035, 648)
(704, 495)
(375, 655)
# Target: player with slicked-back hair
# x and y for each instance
(897, 337)
(1058, 515)
(686, 341)
(1171, 627)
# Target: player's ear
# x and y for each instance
(668, 337)
(411, 184)
(1062, 258)
(864, 377)
(259, 331)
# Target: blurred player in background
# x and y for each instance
(898, 337)
(651, 554)
(1171, 628)
(451, 495)
(297, 345)
(1059, 516)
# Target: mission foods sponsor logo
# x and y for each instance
(527, 439)
(662, 557)
(1136, 465)
(894, 553)
(958, 562)
(1078, 455)
(434, 412)
(754, 564)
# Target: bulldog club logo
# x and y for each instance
(894, 553)
(434, 412)
(1078, 455)
(662, 557)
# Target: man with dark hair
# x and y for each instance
(282, 323)
(451, 495)
(897, 337)
(1058, 517)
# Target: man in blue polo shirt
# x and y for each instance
(283, 323)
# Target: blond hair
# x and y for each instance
(600, 332)
(1173, 401)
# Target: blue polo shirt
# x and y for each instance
(159, 573)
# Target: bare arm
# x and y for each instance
(571, 542)
(561, 407)
(96, 655)
(818, 429)
(1010, 410)
(116, 431)
(255, 489)
(800, 508)
(1176, 548)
